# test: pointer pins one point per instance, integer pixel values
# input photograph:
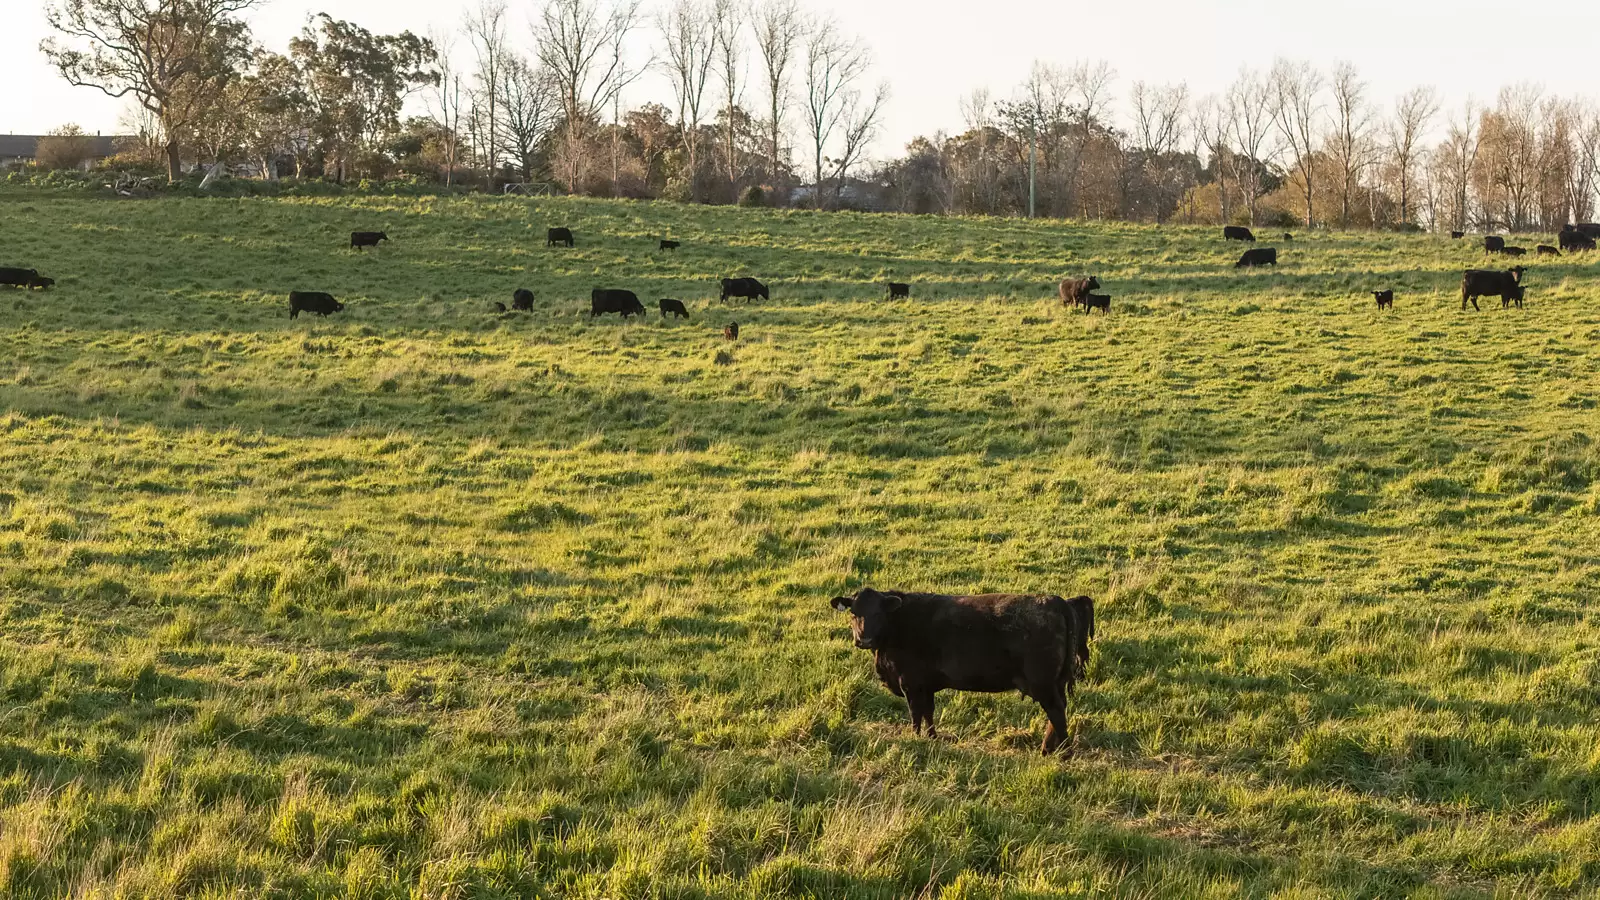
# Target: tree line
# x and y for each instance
(766, 99)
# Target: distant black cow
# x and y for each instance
(1588, 230)
(1261, 256)
(1287, 236)
(1073, 290)
(991, 643)
(675, 307)
(22, 278)
(363, 239)
(1385, 299)
(499, 307)
(561, 236)
(1494, 244)
(730, 331)
(42, 283)
(1491, 283)
(1546, 250)
(1457, 235)
(669, 245)
(603, 301)
(1238, 233)
(522, 300)
(1574, 241)
(744, 288)
(312, 302)
(1101, 302)
(1514, 251)
(899, 290)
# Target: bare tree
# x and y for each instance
(1586, 163)
(1211, 127)
(486, 30)
(1160, 123)
(1414, 111)
(687, 31)
(1297, 107)
(728, 24)
(529, 107)
(859, 125)
(580, 45)
(172, 56)
(1455, 160)
(779, 29)
(1250, 126)
(833, 64)
(1088, 92)
(1350, 138)
(446, 102)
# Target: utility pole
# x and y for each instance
(1033, 145)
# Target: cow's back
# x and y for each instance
(986, 643)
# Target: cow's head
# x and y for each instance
(1094, 283)
(869, 615)
(337, 306)
(1516, 273)
(383, 235)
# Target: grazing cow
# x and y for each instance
(1261, 256)
(744, 288)
(561, 236)
(1385, 299)
(1457, 235)
(1491, 283)
(1573, 241)
(1074, 290)
(499, 307)
(41, 282)
(22, 278)
(522, 300)
(1238, 233)
(603, 301)
(899, 291)
(1287, 236)
(730, 331)
(991, 643)
(1101, 302)
(1514, 251)
(1494, 244)
(312, 302)
(669, 245)
(672, 306)
(360, 240)
(1588, 230)
(1546, 250)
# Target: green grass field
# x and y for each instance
(424, 601)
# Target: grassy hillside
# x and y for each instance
(421, 600)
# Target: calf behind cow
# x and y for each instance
(992, 643)
(1101, 302)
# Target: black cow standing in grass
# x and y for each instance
(1457, 235)
(1261, 256)
(669, 245)
(1494, 244)
(744, 288)
(25, 278)
(992, 643)
(1506, 285)
(1587, 229)
(1101, 302)
(1572, 240)
(1546, 250)
(730, 331)
(899, 290)
(522, 300)
(561, 236)
(1238, 233)
(360, 240)
(1072, 291)
(603, 301)
(1514, 251)
(1385, 299)
(312, 302)
(675, 307)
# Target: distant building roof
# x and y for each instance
(26, 146)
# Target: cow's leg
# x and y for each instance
(920, 699)
(1054, 701)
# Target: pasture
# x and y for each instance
(421, 600)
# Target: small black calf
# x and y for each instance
(1385, 299)
(675, 307)
(899, 290)
(1101, 302)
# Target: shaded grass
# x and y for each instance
(421, 600)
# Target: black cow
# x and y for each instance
(522, 300)
(1457, 235)
(363, 239)
(1238, 233)
(23, 278)
(991, 643)
(1287, 236)
(1385, 299)
(41, 282)
(1514, 251)
(672, 306)
(1101, 302)
(899, 291)
(1491, 283)
(499, 307)
(730, 331)
(1261, 256)
(1588, 230)
(1573, 241)
(1494, 244)
(312, 302)
(669, 245)
(744, 288)
(1073, 290)
(562, 236)
(603, 301)
(1546, 250)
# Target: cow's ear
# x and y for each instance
(892, 600)
(842, 604)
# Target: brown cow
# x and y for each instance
(990, 643)
(1074, 290)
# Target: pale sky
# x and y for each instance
(934, 52)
